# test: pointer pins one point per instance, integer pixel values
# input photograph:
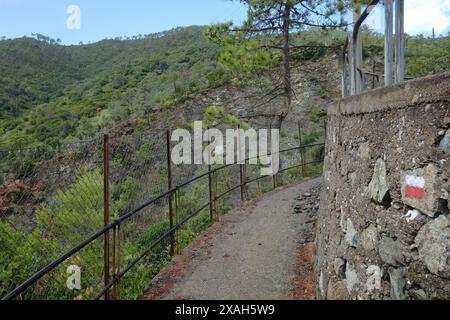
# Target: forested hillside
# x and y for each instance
(51, 94)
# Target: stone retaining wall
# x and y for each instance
(384, 228)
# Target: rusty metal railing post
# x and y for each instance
(211, 193)
(302, 150)
(210, 184)
(169, 186)
(274, 176)
(215, 192)
(177, 222)
(116, 261)
(106, 268)
(241, 166)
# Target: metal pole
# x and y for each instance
(106, 268)
(302, 150)
(357, 53)
(210, 185)
(344, 68)
(215, 192)
(373, 75)
(388, 43)
(177, 221)
(400, 40)
(169, 186)
(241, 166)
(116, 261)
(274, 182)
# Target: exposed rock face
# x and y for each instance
(383, 225)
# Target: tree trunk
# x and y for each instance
(286, 75)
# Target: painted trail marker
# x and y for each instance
(420, 189)
(415, 187)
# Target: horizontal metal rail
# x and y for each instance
(54, 264)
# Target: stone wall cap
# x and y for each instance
(405, 94)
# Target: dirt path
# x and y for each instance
(262, 250)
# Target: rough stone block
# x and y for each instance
(444, 145)
(337, 291)
(339, 267)
(420, 189)
(433, 241)
(370, 238)
(398, 283)
(391, 251)
(374, 274)
(351, 278)
(378, 187)
(352, 236)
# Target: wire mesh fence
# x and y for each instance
(53, 199)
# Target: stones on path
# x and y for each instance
(307, 206)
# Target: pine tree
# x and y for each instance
(271, 23)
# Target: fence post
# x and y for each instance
(169, 186)
(241, 166)
(215, 193)
(106, 268)
(274, 177)
(210, 184)
(302, 150)
(211, 194)
(177, 221)
(116, 261)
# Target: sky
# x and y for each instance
(100, 19)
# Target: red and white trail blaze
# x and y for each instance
(415, 187)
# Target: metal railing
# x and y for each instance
(112, 273)
(394, 60)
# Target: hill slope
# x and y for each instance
(52, 94)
